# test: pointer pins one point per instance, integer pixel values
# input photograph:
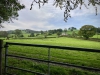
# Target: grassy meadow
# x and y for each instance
(89, 59)
(96, 36)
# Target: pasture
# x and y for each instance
(89, 59)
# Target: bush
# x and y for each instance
(32, 35)
(87, 31)
(22, 35)
(74, 34)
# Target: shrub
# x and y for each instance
(87, 31)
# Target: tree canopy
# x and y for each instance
(18, 32)
(98, 30)
(3, 34)
(9, 8)
(87, 31)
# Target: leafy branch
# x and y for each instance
(68, 5)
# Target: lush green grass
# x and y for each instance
(63, 41)
(74, 57)
(96, 36)
(70, 32)
(26, 34)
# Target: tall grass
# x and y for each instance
(63, 41)
(74, 57)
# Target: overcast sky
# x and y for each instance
(50, 17)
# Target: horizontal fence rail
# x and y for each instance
(57, 47)
(46, 61)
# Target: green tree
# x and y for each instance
(58, 33)
(3, 34)
(87, 31)
(59, 30)
(72, 28)
(9, 10)
(74, 34)
(42, 32)
(21, 35)
(50, 32)
(32, 35)
(45, 34)
(65, 30)
(37, 34)
(18, 32)
(98, 30)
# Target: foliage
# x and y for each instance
(58, 33)
(42, 32)
(59, 30)
(69, 35)
(68, 5)
(45, 34)
(10, 32)
(74, 34)
(3, 34)
(52, 31)
(87, 31)
(32, 35)
(65, 30)
(37, 34)
(9, 10)
(72, 28)
(18, 33)
(21, 35)
(98, 30)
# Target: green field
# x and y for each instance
(96, 36)
(74, 57)
(62, 41)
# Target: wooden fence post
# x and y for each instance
(1, 45)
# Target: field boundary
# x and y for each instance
(46, 61)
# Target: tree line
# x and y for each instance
(85, 31)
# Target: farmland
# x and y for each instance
(74, 57)
(39, 43)
(51, 37)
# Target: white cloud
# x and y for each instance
(9, 27)
(84, 11)
(38, 19)
(28, 25)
